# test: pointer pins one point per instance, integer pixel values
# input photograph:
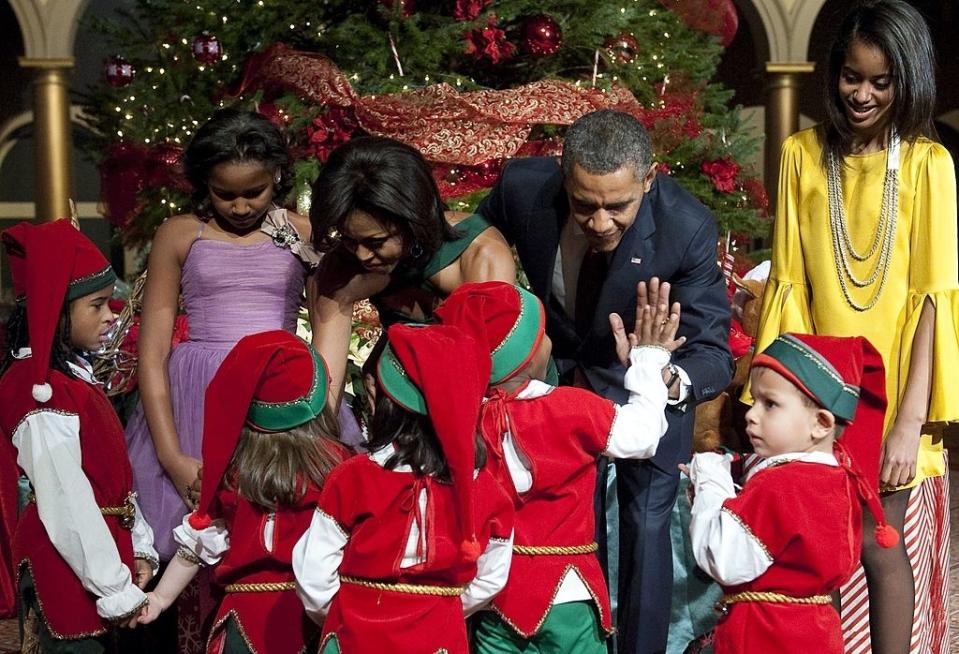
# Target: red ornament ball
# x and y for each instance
(622, 48)
(541, 36)
(119, 71)
(406, 6)
(207, 49)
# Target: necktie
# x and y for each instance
(592, 273)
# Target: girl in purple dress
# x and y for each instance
(240, 263)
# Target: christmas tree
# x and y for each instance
(469, 82)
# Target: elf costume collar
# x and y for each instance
(51, 263)
(272, 382)
(440, 371)
(845, 376)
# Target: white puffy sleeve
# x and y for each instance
(316, 563)
(641, 422)
(48, 451)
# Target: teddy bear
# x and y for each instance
(719, 421)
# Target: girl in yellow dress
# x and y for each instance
(864, 243)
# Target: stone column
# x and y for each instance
(53, 142)
(782, 115)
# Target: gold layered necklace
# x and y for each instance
(844, 252)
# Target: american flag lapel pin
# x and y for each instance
(636, 260)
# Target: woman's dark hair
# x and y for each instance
(235, 136)
(901, 34)
(388, 180)
(413, 437)
(274, 470)
(18, 336)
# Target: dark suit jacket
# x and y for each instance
(673, 238)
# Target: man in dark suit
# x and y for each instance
(587, 232)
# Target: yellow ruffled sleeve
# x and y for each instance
(786, 297)
(933, 274)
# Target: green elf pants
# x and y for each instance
(569, 628)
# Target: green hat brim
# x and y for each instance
(283, 416)
(523, 339)
(397, 384)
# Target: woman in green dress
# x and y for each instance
(387, 236)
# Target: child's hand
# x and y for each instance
(142, 572)
(184, 472)
(655, 324)
(690, 488)
(151, 611)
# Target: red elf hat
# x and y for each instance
(441, 371)
(846, 376)
(273, 382)
(51, 263)
(508, 319)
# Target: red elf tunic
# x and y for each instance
(543, 443)
(69, 609)
(808, 518)
(376, 509)
(561, 433)
(261, 551)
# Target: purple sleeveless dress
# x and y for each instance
(229, 291)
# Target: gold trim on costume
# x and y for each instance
(262, 587)
(745, 527)
(554, 550)
(539, 624)
(127, 512)
(413, 589)
(36, 411)
(775, 598)
(221, 623)
(42, 615)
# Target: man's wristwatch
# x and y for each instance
(673, 374)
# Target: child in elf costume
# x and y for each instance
(79, 553)
(266, 453)
(544, 443)
(794, 534)
(418, 532)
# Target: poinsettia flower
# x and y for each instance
(330, 130)
(489, 42)
(722, 173)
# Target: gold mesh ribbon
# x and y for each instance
(412, 589)
(776, 598)
(555, 550)
(265, 587)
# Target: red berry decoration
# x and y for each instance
(119, 71)
(541, 36)
(622, 48)
(207, 49)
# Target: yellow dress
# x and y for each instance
(803, 292)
